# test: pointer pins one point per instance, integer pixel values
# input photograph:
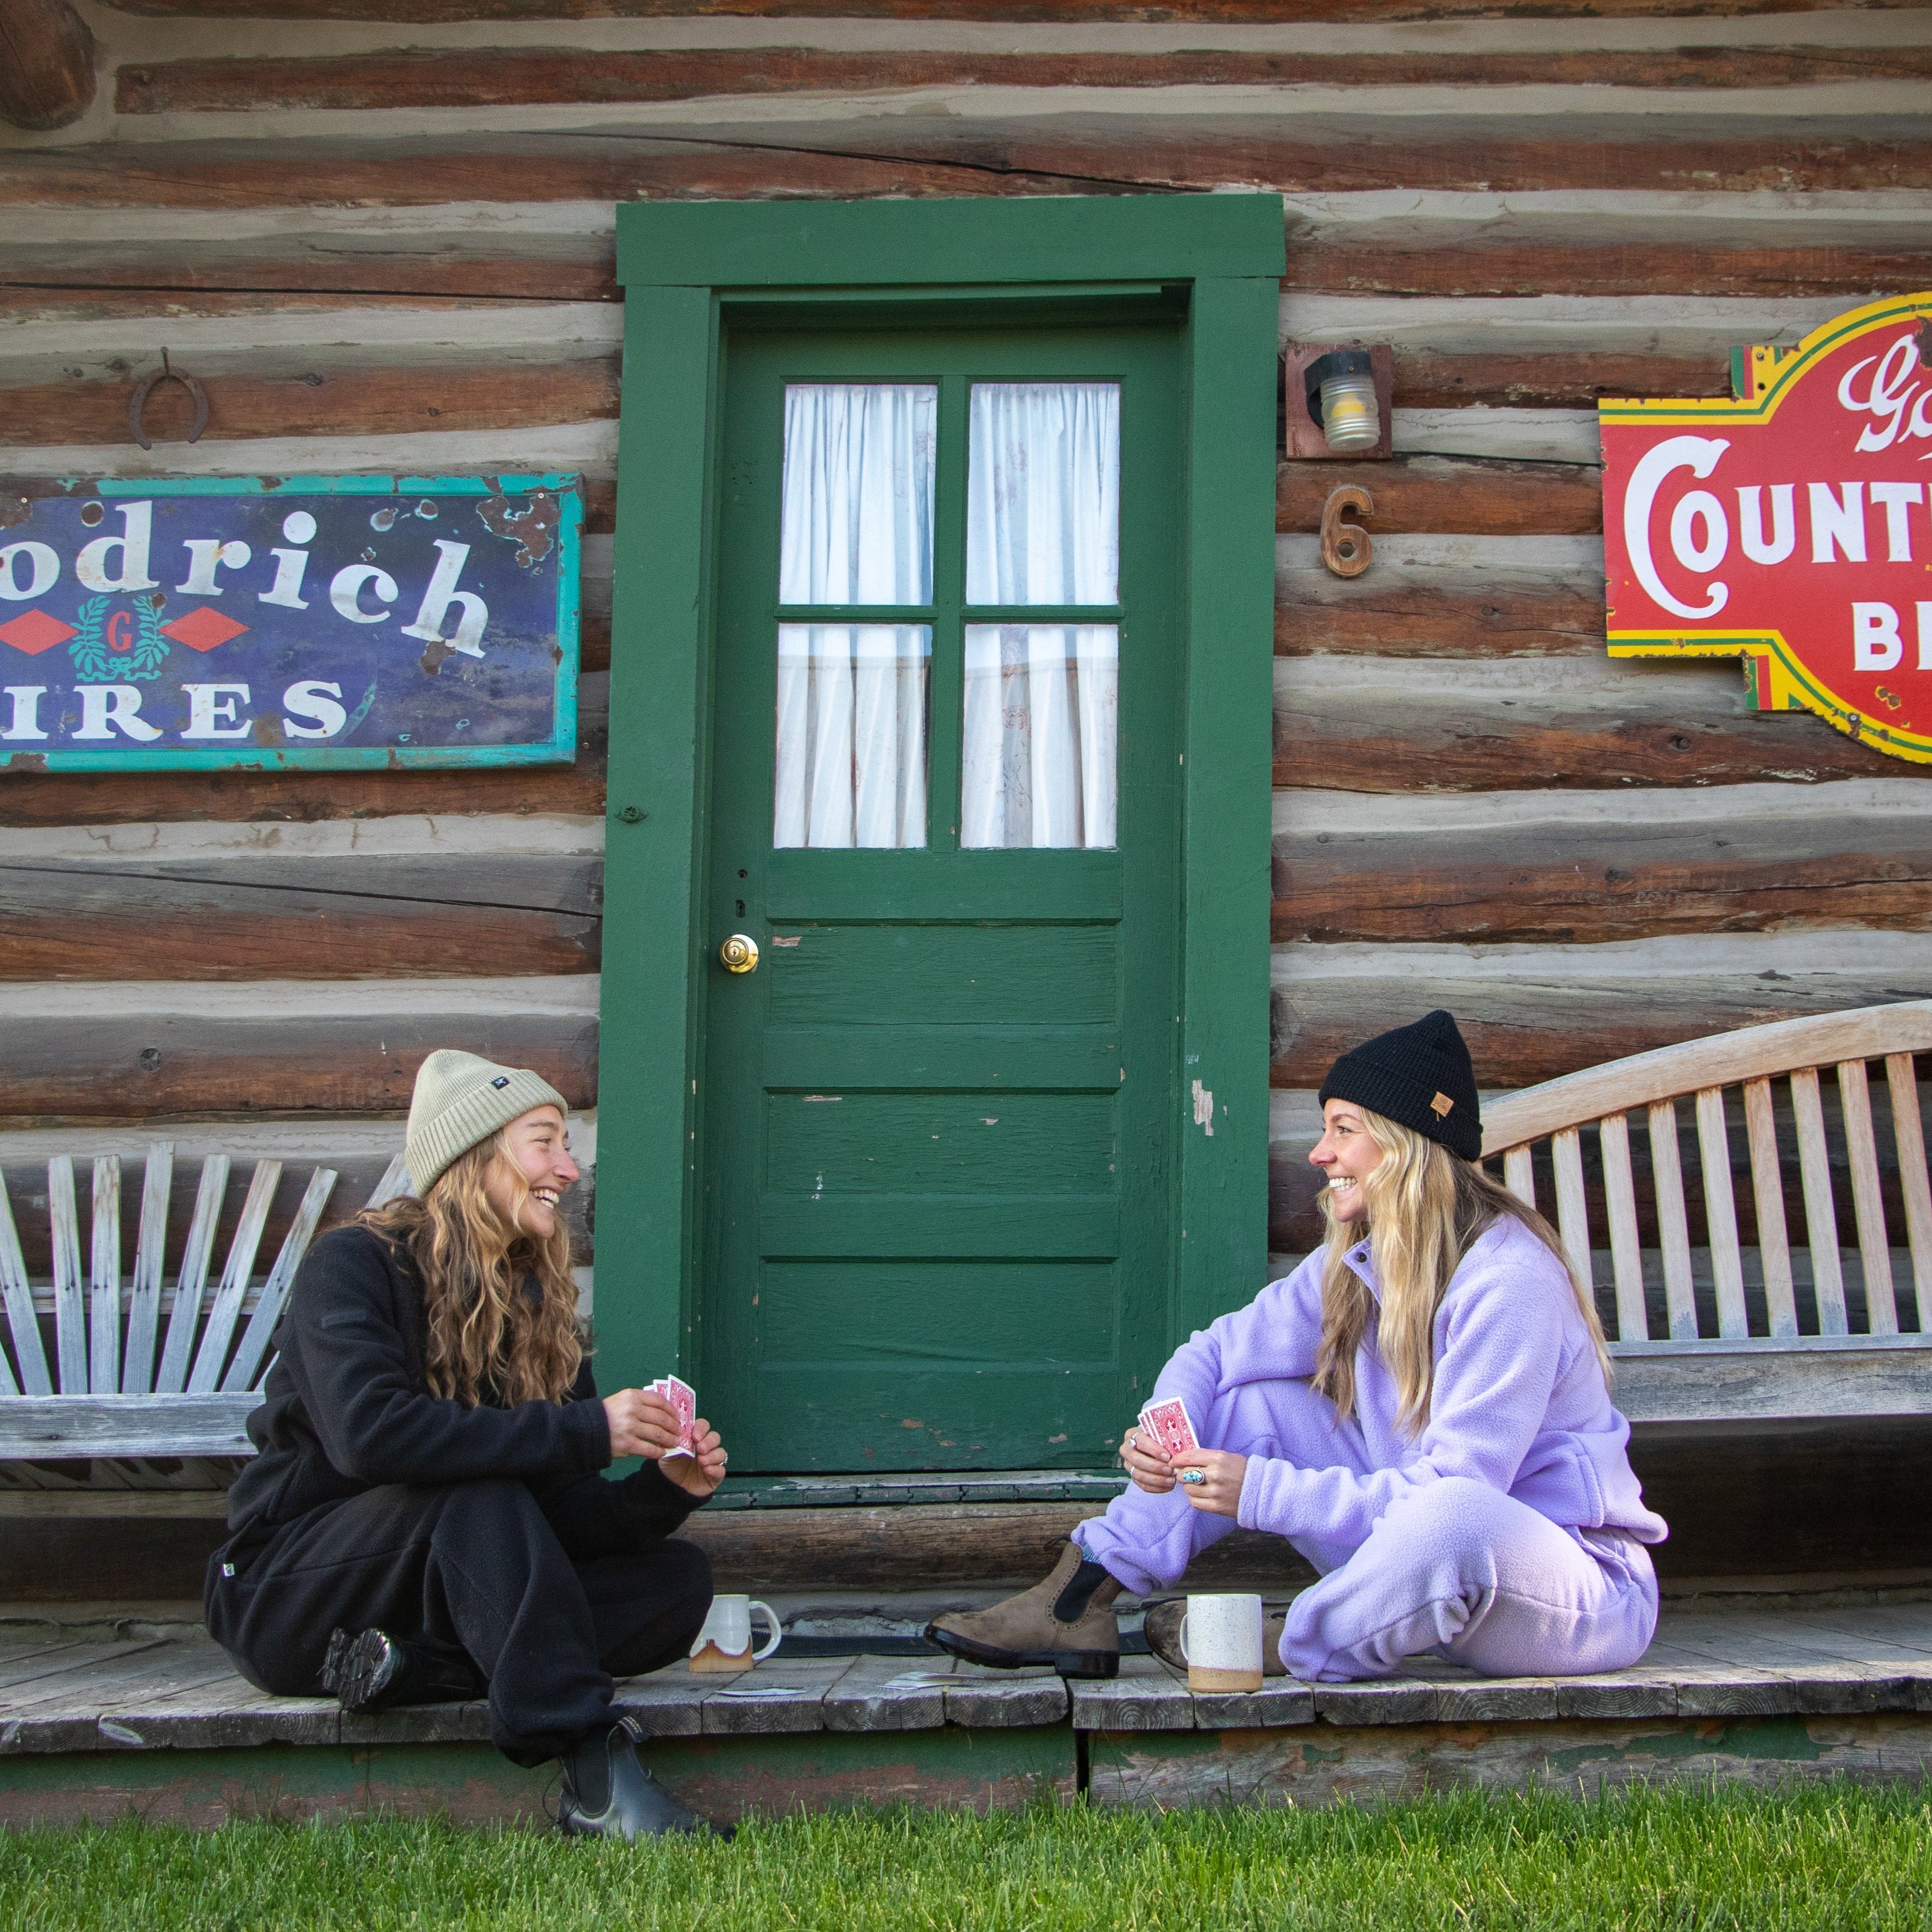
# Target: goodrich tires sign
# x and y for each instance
(1789, 525)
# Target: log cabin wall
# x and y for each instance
(379, 231)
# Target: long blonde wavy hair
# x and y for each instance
(1426, 1208)
(490, 1338)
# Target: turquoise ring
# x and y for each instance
(1194, 1475)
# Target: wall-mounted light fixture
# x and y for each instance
(1340, 389)
(1336, 402)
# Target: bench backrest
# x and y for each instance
(1726, 1077)
(108, 1340)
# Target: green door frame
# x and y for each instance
(687, 268)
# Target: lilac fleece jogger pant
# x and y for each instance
(1452, 1567)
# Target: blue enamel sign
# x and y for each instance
(340, 622)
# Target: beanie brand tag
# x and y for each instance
(502, 1080)
(1442, 1106)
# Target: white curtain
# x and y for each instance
(857, 528)
(1042, 700)
(1041, 725)
(1043, 499)
(851, 735)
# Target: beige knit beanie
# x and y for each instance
(460, 1100)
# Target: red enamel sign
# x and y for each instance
(1791, 524)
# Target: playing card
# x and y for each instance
(1167, 1422)
(683, 1398)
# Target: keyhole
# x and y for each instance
(741, 908)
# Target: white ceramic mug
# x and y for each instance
(724, 1643)
(1221, 1639)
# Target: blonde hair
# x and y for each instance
(489, 1339)
(1427, 1206)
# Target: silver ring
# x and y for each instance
(1194, 1475)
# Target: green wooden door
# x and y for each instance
(936, 1184)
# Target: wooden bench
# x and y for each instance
(121, 1386)
(1739, 1326)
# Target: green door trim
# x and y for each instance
(687, 266)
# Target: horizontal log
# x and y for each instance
(1263, 12)
(1385, 725)
(318, 402)
(1597, 867)
(1309, 154)
(303, 918)
(1633, 267)
(1481, 496)
(532, 75)
(1434, 610)
(1543, 378)
(126, 1049)
(1531, 1013)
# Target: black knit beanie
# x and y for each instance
(1419, 1076)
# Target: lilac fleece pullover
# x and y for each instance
(1520, 1401)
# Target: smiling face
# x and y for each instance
(1347, 1155)
(537, 1145)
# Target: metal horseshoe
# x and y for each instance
(1345, 547)
(138, 402)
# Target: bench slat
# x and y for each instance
(1774, 1237)
(103, 1279)
(69, 1316)
(1520, 1177)
(1821, 1214)
(1626, 1247)
(395, 1180)
(1909, 1137)
(28, 1352)
(205, 1378)
(1573, 1213)
(52, 1427)
(248, 1357)
(144, 1289)
(1868, 1203)
(1667, 1171)
(1720, 1212)
(1760, 1380)
(192, 1282)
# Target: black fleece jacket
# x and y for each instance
(346, 1408)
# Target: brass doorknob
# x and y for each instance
(739, 954)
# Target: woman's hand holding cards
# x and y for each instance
(1146, 1462)
(700, 1471)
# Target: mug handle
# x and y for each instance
(777, 1631)
(1184, 1658)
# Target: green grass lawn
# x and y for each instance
(1832, 1856)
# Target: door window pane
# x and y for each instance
(851, 734)
(1043, 495)
(857, 525)
(1042, 702)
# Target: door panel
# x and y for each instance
(934, 1168)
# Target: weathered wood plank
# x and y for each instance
(1867, 1197)
(344, 1047)
(1368, 724)
(1304, 154)
(103, 1278)
(1521, 268)
(1486, 497)
(1768, 1200)
(1532, 1014)
(1720, 1212)
(1437, 610)
(1589, 868)
(1711, 1381)
(1263, 12)
(1626, 1250)
(453, 77)
(144, 1290)
(252, 1350)
(29, 1352)
(265, 917)
(205, 1377)
(51, 1427)
(70, 1320)
(191, 1281)
(1820, 1214)
(1541, 378)
(319, 402)
(1908, 1139)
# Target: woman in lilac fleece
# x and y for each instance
(1422, 1408)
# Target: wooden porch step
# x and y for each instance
(90, 1729)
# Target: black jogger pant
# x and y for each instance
(476, 1567)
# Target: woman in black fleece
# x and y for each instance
(425, 1517)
